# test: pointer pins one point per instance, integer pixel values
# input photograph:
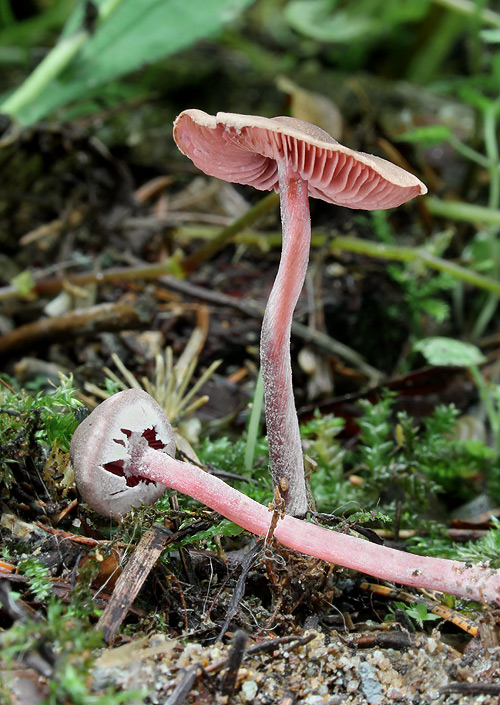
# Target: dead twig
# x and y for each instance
(143, 271)
(238, 645)
(442, 611)
(254, 310)
(477, 688)
(398, 640)
(239, 590)
(183, 688)
(192, 262)
(82, 322)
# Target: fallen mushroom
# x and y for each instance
(99, 452)
(125, 437)
(297, 160)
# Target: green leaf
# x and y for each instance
(478, 450)
(137, 33)
(23, 283)
(34, 31)
(449, 352)
(222, 528)
(428, 136)
(343, 22)
(473, 97)
(439, 310)
(481, 253)
(317, 19)
(490, 36)
(495, 67)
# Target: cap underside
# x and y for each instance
(245, 149)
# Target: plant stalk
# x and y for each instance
(412, 254)
(265, 205)
(466, 212)
(468, 8)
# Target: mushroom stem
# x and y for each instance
(285, 449)
(473, 582)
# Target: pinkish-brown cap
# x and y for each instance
(246, 149)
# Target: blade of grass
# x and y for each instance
(54, 63)
(254, 423)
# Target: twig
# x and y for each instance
(477, 688)
(397, 640)
(239, 590)
(192, 262)
(53, 285)
(253, 310)
(435, 607)
(82, 322)
(238, 645)
(182, 689)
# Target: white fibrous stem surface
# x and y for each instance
(285, 449)
(474, 582)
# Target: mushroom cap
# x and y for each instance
(100, 457)
(246, 149)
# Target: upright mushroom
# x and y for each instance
(297, 160)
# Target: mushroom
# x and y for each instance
(124, 432)
(297, 160)
(99, 452)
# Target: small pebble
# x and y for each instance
(249, 690)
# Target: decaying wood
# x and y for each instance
(132, 579)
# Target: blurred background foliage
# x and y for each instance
(448, 45)
(413, 80)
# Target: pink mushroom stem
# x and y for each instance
(285, 449)
(474, 582)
